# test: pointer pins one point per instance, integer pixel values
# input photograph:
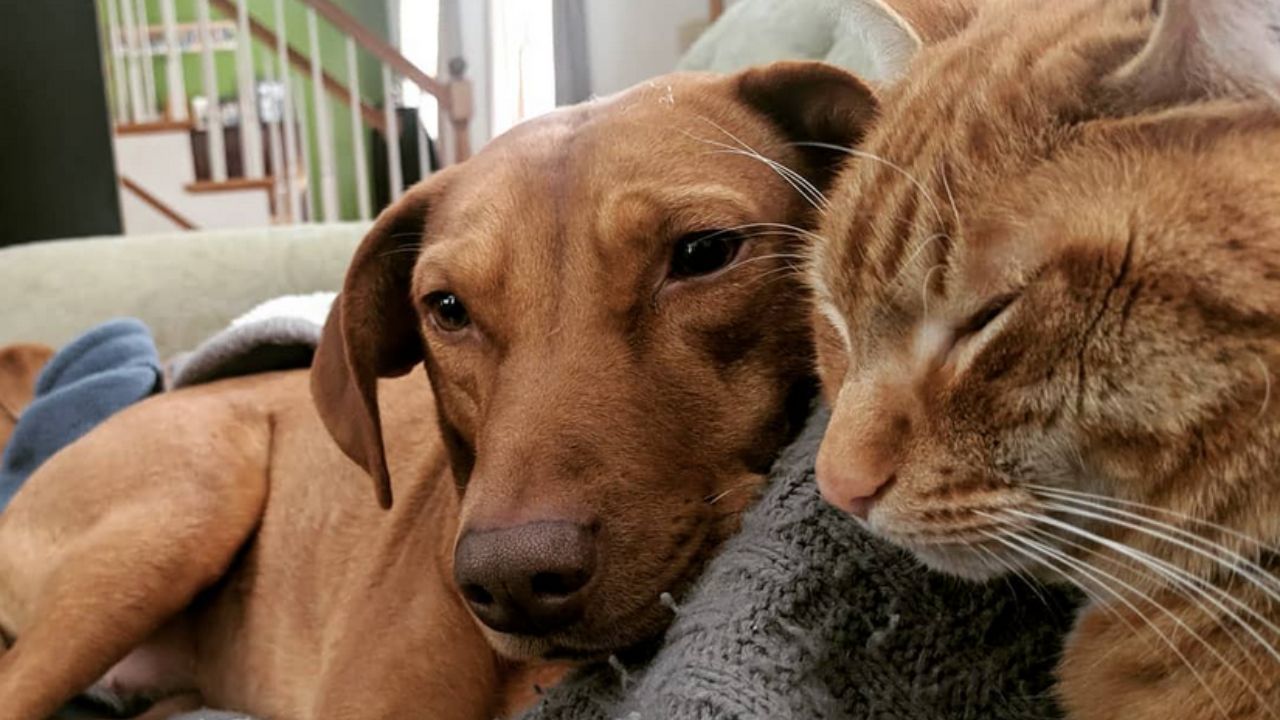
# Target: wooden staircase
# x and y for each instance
(246, 160)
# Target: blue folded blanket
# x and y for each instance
(99, 374)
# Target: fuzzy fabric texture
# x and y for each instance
(277, 335)
(805, 615)
(100, 373)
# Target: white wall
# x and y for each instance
(633, 40)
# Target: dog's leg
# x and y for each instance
(115, 535)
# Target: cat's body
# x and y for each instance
(1049, 325)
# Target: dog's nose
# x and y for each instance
(528, 579)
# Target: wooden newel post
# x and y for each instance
(460, 108)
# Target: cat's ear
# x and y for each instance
(1206, 48)
(893, 31)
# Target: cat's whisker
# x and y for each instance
(1013, 570)
(1154, 509)
(798, 182)
(1266, 394)
(802, 186)
(814, 196)
(1187, 584)
(1157, 564)
(924, 191)
(1220, 554)
(1040, 560)
(924, 289)
(1109, 582)
(924, 244)
(946, 185)
(782, 227)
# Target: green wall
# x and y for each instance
(333, 58)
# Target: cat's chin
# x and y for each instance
(960, 562)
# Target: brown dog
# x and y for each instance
(20, 365)
(616, 341)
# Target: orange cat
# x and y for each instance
(1049, 328)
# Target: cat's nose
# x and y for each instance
(854, 478)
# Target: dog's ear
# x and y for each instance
(371, 332)
(820, 108)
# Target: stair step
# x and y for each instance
(204, 186)
(156, 126)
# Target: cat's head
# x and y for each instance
(1050, 279)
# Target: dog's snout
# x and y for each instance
(528, 579)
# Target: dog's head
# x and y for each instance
(608, 305)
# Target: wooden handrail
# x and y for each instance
(381, 50)
(157, 204)
(372, 116)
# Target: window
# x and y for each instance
(523, 61)
(419, 29)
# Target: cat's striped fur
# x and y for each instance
(1049, 327)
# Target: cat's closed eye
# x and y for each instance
(987, 314)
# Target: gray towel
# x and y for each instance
(804, 615)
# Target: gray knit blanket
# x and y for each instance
(805, 615)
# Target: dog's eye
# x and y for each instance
(703, 253)
(447, 311)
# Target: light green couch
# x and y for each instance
(184, 286)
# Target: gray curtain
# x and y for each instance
(573, 70)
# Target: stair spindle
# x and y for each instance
(213, 108)
(357, 132)
(324, 131)
(275, 151)
(174, 77)
(250, 130)
(299, 102)
(395, 176)
(132, 61)
(146, 58)
(290, 168)
(118, 76)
